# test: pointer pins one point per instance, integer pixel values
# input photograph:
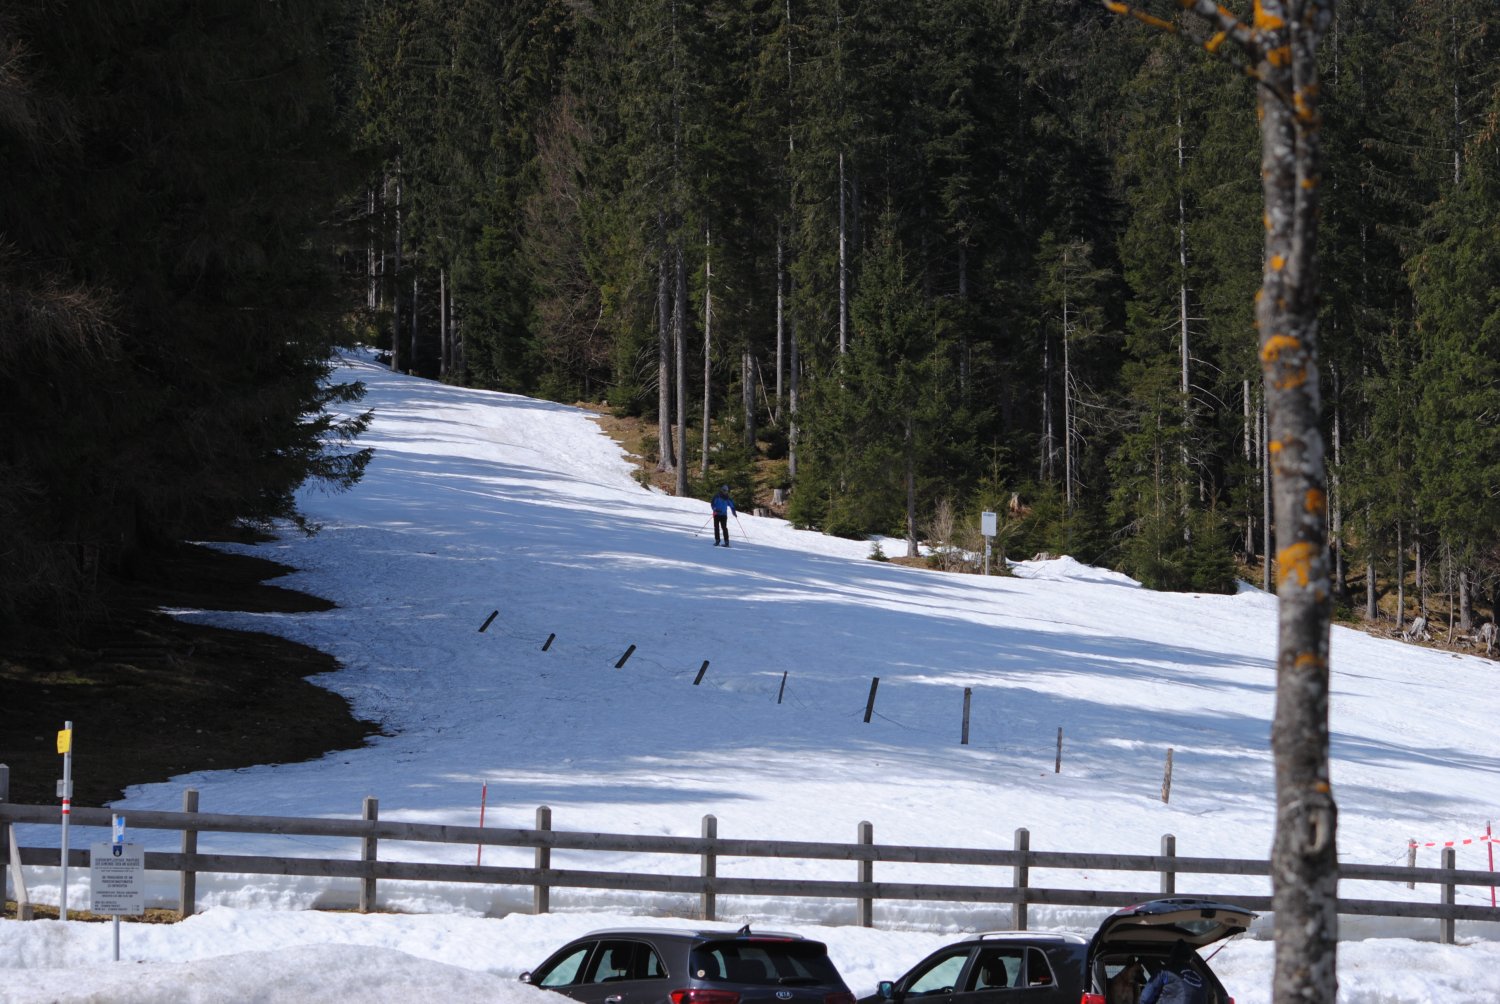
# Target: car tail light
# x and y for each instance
(838, 999)
(1098, 999)
(699, 995)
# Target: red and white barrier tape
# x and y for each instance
(1486, 839)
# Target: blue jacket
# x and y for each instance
(1182, 987)
(723, 505)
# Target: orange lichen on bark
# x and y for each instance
(1315, 501)
(1276, 345)
(1295, 560)
(1278, 262)
(1265, 20)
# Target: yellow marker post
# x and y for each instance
(65, 792)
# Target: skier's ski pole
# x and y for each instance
(704, 526)
(741, 526)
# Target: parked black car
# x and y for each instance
(692, 967)
(1129, 947)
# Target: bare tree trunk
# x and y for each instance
(372, 296)
(1265, 499)
(1400, 578)
(1067, 380)
(1372, 607)
(1335, 508)
(794, 387)
(398, 358)
(843, 266)
(667, 457)
(445, 349)
(1048, 448)
(1465, 602)
(679, 323)
(1251, 437)
(1184, 349)
(414, 299)
(1304, 856)
(708, 364)
(780, 322)
(748, 367)
(909, 451)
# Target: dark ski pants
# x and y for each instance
(721, 522)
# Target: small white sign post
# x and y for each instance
(117, 879)
(987, 527)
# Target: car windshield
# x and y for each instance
(764, 962)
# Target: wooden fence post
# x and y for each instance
(1022, 873)
(367, 884)
(187, 879)
(1168, 875)
(709, 868)
(1446, 925)
(1166, 779)
(964, 737)
(867, 869)
(1411, 859)
(541, 898)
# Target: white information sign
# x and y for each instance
(987, 524)
(117, 879)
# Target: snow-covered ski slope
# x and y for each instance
(479, 502)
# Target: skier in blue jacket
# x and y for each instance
(723, 506)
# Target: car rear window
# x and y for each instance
(764, 962)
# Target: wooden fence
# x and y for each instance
(863, 890)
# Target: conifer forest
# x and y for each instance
(894, 262)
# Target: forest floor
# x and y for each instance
(151, 697)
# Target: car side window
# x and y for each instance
(1038, 969)
(996, 967)
(940, 975)
(564, 970)
(624, 960)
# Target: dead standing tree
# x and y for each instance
(1278, 47)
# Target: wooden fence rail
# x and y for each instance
(1019, 891)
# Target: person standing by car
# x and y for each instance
(1178, 982)
(723, 505)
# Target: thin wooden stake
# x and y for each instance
(548, 643)
(1057, 767)
(870, 704)
(628, 652)
(964, 740)
(487, 620)
(782, 691)
(1166, 781)
(701, 670)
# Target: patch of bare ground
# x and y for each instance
(151, 697)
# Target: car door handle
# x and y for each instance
(613, 999)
